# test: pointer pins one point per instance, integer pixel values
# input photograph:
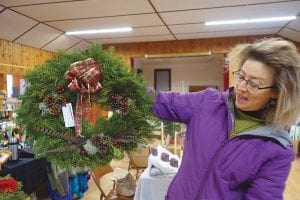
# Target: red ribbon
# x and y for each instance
(84, 78)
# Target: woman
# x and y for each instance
(236, 145)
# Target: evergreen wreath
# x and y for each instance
(116, 88)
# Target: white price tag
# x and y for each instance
(68, 115)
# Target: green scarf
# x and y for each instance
(244, 122)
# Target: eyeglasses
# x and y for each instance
(251, 86)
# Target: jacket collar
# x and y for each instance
(280, 136)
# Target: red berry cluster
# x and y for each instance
(117, 144)
(60, 90)
(83, 152)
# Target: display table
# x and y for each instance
(31, 172)
(155, 187)
(152, 187)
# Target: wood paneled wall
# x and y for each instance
(215, 45)
(16, 59)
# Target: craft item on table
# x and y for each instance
(125, 183)
(13, 144)
(79, 184)
(154, 171)
(58, 179)
(158, 167)
(62, 184)
(4, 156)
(174, 162)
(154, 151)
(164, 157)
(11, 189)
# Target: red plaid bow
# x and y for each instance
(84, 76)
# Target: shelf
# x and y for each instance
(6, 110)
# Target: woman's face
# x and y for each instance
(254, 73)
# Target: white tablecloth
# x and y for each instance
(152, 187)
(155, 187)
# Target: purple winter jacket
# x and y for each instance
(253, 165)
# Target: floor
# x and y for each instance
(292, 191)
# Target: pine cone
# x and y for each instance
(55, 109)
(113, 101)
(61, 100)
(103, 149)
(99, 140)
(124, 110)
(48, 100)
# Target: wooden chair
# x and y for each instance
(138, 160)
(106, 184)
(97, 174)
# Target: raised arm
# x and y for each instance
(178, 106)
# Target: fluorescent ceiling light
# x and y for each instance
(254, 20)
(113, 30)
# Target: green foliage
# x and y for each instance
(170, 127)
(18, 194)
(116, 79)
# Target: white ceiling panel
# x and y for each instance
(171, 5)
(63, 42)
(295, 24)
(84, 9)
(80, 45)
(9, 3)
(108, 22)
(13, 24)
(39, 36)
(134, 39)
(190, 28)
(151, 20)
(227, 33)
(290, 34)
(230, 13)
(146, 31)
